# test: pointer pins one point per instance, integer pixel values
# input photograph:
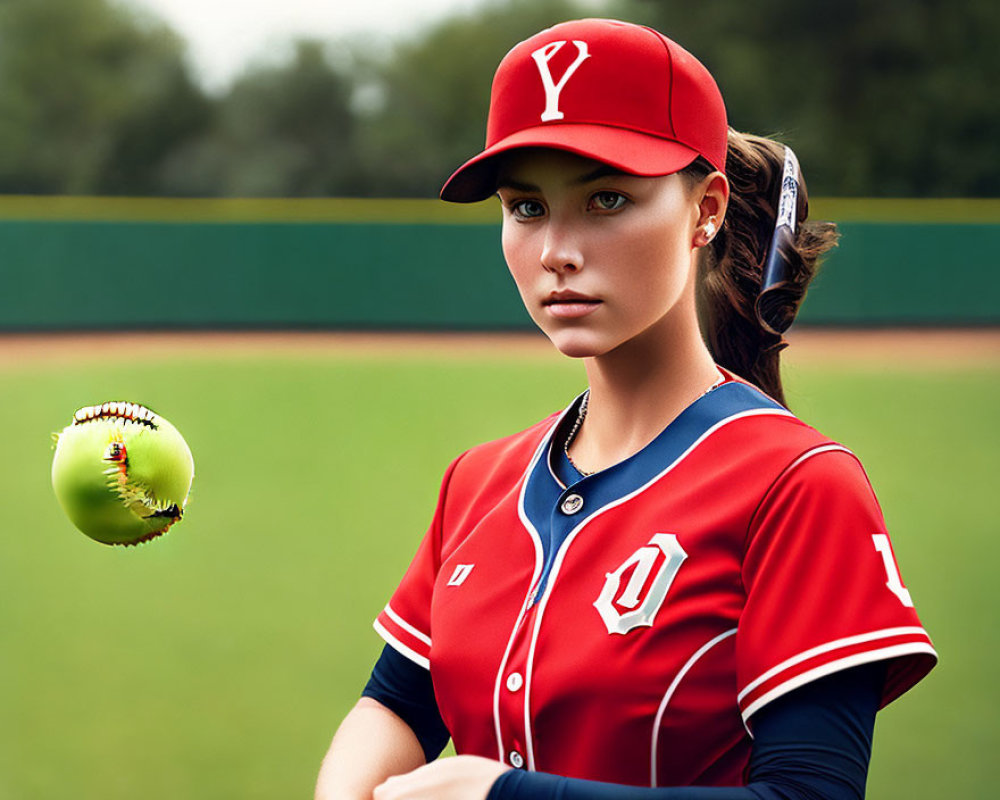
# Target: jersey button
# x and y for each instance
(514, 682)
(516, 759)
(571, 504)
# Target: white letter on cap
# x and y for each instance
(542, 57)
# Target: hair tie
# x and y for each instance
(773, 309)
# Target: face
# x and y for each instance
(599, 257)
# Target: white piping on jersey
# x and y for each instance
(568, 541)
(670, 693)
(835, 666)
(848, 641)
(393, 642)
(823, 448)
(406, 626)
(536, 541)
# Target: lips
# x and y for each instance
(567, 304)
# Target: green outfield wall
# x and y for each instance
(121, 263)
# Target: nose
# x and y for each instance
(561, 251)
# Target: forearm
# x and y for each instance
(371, 744)
(813, 742)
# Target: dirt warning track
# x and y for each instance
(912, 347)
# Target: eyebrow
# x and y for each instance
(518, 186)
(603, 171)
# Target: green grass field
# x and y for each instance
(216, 662)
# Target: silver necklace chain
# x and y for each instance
(572, 434)
(583, 413)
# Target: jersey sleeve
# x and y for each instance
(823, 591)
(404, 623)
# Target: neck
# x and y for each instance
(640, 388)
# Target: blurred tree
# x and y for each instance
(280, 130)
(92, 97)
(879, 98)
(430, 97)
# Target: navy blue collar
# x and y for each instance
(545, 496)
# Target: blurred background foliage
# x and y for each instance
(888, 98)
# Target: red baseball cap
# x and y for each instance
(620, 93)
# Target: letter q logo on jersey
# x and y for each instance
(647, 575)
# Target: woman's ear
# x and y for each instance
(713, 200)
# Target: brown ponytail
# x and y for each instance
(730, 269)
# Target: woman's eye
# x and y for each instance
(608, 201)
(527, 209)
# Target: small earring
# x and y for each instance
(710, 229)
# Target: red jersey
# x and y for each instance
(627, 627)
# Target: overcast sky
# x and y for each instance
(223, 35)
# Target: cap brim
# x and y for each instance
(630, 151)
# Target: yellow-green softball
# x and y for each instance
(121, 472)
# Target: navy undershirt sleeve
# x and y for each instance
(812, 744)
(405, 689)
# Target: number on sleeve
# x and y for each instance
(893, 581)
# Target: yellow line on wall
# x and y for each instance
(955, 211)
(429, 211)
(305, 210)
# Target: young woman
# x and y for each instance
(674, 583)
